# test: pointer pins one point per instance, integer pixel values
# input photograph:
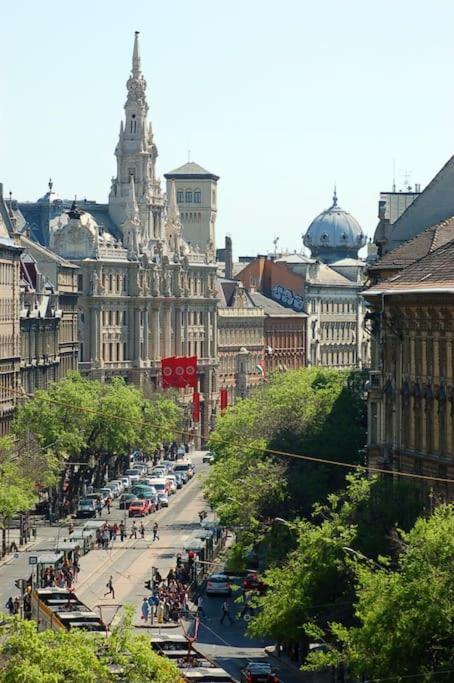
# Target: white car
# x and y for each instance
(218, 584)
(133, 474)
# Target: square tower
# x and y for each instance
(196, 190)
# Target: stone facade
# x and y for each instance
(241, 340)
(145, 293)
(196, 193)
(411, 387)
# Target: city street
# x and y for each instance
(130, 563)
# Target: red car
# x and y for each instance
(253, 582)
(139, 508)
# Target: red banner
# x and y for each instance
(196, 406)
(179, 372)
(224, 398)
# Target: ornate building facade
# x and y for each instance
(145, 293)
(411, 388)
(241, 339)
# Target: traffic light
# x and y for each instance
(147, 585)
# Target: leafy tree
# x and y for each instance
(405, 617)
(76, 657)
(313, 411)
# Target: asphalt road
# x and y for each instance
(130, 565)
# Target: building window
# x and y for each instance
(197, 196)
(180, 196)
(188, 196)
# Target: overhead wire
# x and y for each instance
(253, 447)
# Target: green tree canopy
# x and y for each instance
(405, 618)
(30, 656)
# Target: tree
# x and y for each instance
(314, 585)
(404, 617)
(85, 421)
(76, 657)
(316, 412)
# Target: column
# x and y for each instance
(145, 353)
(186, 330)
(178, 344)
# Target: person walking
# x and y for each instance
(122, 531)
(133, 533)
(155, 532)
(145, 610)
(142, 530)
(226, 612)
(110, 588)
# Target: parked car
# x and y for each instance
(184, 466)
(163, 500)
(253, 582)
(218, 584)
(86, 508)
(259, 672)
(133, 474)
(208, 457)
(116, 486)
(126, 499)
(139, 508)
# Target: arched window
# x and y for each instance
(180, 196)
(197, 196)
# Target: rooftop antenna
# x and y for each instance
(275, 241)
(394, 175)
(406, 174)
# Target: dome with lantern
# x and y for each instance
(334, 234)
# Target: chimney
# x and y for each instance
(228, 258)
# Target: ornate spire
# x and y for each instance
(136, 56)
(173, 212)
(132, 210)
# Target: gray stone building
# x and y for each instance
(145, 293)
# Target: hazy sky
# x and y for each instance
(279, 98)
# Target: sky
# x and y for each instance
(280, 99)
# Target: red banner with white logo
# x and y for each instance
(196, 406)
(179, 372)
(223, 399)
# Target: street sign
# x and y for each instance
(33, 559)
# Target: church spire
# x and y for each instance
(136, 56)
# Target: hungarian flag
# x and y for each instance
(223, 398)
(260, 367)
(196, 406)
(179, 372)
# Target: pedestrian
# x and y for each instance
(105, 538)
(110, 588)
(10, 605)
(200, 610)
(142, 530)
(133, 530)
(145, 609)
(226, 612)
(155, 532)
(122, 531)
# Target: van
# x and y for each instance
(160, 484)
